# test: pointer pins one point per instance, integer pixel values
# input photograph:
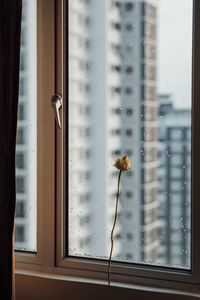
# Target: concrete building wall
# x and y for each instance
(175, 187)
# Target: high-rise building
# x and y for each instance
(138, 129)
(174, 183)
(26, 162)
(113, 112)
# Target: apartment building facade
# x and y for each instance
(113, 112)
(175, 184)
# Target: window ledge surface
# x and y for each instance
(48, 282)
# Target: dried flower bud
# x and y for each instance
(122, 163)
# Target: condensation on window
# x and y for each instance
(130, 94)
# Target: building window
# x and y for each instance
(20, 210)
(84, 220)
(84, 198)
(128, 90)
(22, 87)
(21, 111)
(23, 36)
(22, 62)
(128, 69)
(115, 131)
(129, 215)
(129, 6)
(129, 236)
(117, 4)
(129, 153)
(129, 27)
(115, 48)
(129, 111)
(116, 26)
(117, 90)
(19, 233)
(129, 256)
(116, 153)
(20, 185)
(20, 163)
(116, 68)
(116, 111)
(129, 132)
(20, 136)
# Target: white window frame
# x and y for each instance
(50, 256)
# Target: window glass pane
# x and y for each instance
(133, 99)
(26, 153)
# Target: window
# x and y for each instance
(129, 132)
(116, 111)
(20, 136)
(21, 109)
(23, 62)
(128, 69)
(19, 234)
(20, 209)
(23, 36)
(22, 89)
(115, 131)
(116, 153)
(116, 68)
(20, 163)
(84, 198)
(141, 131)
(91, 132)
(129, 27)
(117, 90)
(20, 184)
(128, 90)
(129, 111)
(115, 48)
(129, 152)
(129, 6)
(117, 4)
(116, 26)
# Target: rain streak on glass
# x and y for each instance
(26, 149)
(130, 94)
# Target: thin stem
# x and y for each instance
(112, 232)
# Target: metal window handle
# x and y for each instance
(56, 102)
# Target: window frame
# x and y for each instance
(51, 210)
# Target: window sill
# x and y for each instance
(52, 284)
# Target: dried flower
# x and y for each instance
(122, 163)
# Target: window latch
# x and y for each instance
(56, 102)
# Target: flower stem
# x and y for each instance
(112, 232)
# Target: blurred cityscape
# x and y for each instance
(26, 149)
(114, 110)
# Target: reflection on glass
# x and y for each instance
(130, 94)
(26, 149)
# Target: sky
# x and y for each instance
(175, 50)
